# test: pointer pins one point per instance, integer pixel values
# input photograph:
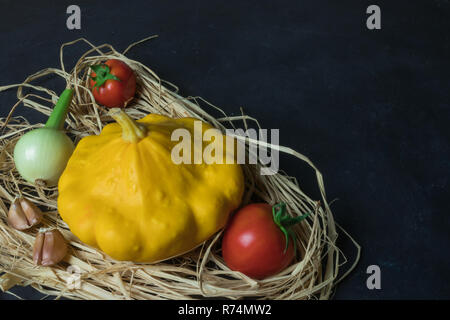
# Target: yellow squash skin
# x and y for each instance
(130, 200)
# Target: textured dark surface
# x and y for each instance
(370, 108)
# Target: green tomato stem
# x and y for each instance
(102, 74)
(59, 113)
(284, 222)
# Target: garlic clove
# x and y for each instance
(23, 214)
(32, 212)
(16, 217)
(37, 248)
(50, 247)
(55, 248)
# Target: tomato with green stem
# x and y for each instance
(113, 83)
(258, 240)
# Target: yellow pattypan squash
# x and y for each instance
(122, 193)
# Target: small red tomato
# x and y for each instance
(113, 83)
(255, 239)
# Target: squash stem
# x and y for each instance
(59, 113)
(131, 130)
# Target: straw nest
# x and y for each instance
(87, 273)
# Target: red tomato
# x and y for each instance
(254, 244)
(113, 83)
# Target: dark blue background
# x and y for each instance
(370, 108)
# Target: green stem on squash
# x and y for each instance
(284, 222)
(131, 130)
(59, 113)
